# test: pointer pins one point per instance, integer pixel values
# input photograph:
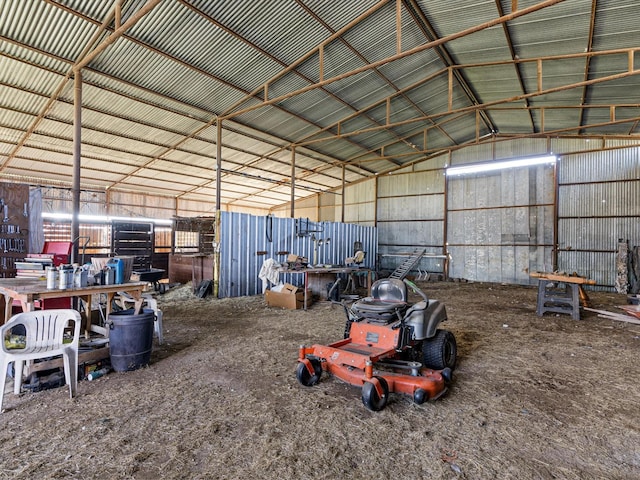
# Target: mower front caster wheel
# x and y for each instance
(306, 378)
(370, 396)
(420, 396)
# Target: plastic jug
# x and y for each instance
(118, 266)
(52, 278)
(65, 277)
(80, 277)
(109, 275)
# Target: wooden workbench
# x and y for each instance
(30, 290)
(316, 278)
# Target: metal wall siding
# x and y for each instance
(243, 235)
(426, 207)
(563, 145)
(500, 224)
(597, 206)
(306, 212)
(435, 164)
(610, 165)
(360, 214)
(390, 257)
(308, 203)
(599, 266)
(509, 264)
(420, 234)
(620, 143)
(142, 201)
(527, 225)
(360, 192)
(600, 199)
(596, 234)
(412, 183)
(328, 214)
(472, 154)
(524, 147)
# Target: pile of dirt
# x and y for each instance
(532, 398)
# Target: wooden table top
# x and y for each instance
(37, 288)
(326, 270)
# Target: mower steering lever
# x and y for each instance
(415, 288)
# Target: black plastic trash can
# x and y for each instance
(130, 339)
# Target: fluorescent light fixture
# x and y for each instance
(499, 165)
(103, 218)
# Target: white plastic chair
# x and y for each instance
(127, 301)
(44, 334)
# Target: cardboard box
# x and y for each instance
(291, 298)
(287, 288)
(292, 258)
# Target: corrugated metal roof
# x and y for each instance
(151, 97)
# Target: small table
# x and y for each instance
(29, 290)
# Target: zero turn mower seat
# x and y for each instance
(388, 300)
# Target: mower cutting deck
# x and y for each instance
(389, 346)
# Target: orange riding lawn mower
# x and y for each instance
(389, 345)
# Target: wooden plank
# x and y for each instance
(614, 316)
(558, 277)
(91, 356)
(631, 309)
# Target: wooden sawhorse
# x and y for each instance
(559, 293)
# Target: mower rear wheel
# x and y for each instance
(303, 375)
(440, 351)
(370, 397)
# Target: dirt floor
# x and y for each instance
(532, 398)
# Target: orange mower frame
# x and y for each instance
(382, 357)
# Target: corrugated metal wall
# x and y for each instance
(243, 236)
(598, 204)
(410, 215)
(129, 204)
(60, 200)
(500, 224)
(360, 203)
(305, 208)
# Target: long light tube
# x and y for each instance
(500, 165)
(104, 218)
